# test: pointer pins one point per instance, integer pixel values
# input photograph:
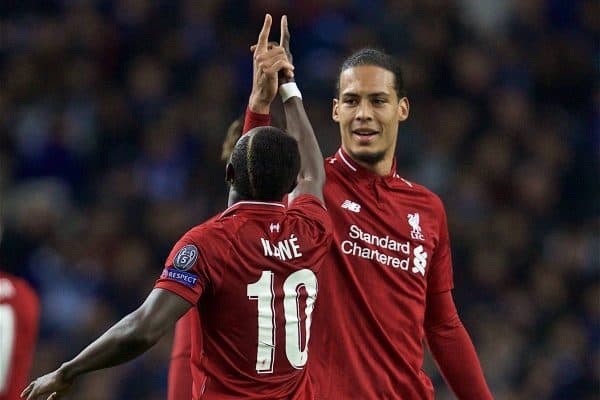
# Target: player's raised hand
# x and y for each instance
(284, 42)
(53, 385)
(269, 60)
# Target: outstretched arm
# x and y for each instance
(125, 340)
(452, 349)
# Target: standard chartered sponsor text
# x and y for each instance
(355, 248)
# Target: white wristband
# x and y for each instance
(289, 90)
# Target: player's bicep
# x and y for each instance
(159, 312)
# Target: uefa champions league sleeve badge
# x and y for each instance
(186, 257)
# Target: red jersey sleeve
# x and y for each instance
(440, 277)
(254, 120)
(453, 349)
(187, 271)
(314, 212)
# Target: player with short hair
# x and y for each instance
(251, 272)
(388, 288)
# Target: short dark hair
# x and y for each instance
(378, 58)
(266, 163)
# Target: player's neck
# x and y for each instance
(233, 197)
(380, 168)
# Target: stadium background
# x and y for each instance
(112, 115)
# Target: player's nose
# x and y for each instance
(364, 111)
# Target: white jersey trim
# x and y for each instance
(352, 167)
(262, 203)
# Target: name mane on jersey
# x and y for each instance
(401, 259)
(284, 250)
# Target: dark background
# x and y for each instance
(112, 115)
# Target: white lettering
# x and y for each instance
(267, 247)
(384, 242)
(295, 246)
(352, 247)
(286, 249)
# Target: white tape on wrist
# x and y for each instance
(289, 90)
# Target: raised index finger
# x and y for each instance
(284, 40)
(263, 36)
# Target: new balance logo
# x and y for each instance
(351, 206)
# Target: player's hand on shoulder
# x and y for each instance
(53, 385)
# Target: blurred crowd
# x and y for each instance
(112, 115)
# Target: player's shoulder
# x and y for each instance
(207, 230)
(306, 200)
(426, 195)
(329, 163)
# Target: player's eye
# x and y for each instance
(350, 101)
(379, 101)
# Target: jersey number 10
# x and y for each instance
(262, 290)
(7, 337)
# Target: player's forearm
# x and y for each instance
(299, 127)
(121, 343)
(259, 104)
(457, 360)
(253, 120)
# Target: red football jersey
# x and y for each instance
(19, 317)
(391, 248)
(180, 374)
(252, 271)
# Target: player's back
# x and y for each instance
(19, 314)
(258, 266)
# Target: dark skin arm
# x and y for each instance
(312, 173)
(311, 176)
(127, 339)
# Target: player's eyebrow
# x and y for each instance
(376, 94)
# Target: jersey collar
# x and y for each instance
(354, 168)
(269, 206)
(355, 171)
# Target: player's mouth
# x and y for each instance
(364, 135)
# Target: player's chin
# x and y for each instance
(367, 155)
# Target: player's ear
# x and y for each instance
(334, 112)
(403, 109)
(229, 173)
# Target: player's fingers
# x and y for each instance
(54, 396)
(263, 36)
(26, 391)
(280, 65)
(284, 39)
(269, 47)
(31, 394)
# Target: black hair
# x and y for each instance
(378, 58)
(266, 163)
